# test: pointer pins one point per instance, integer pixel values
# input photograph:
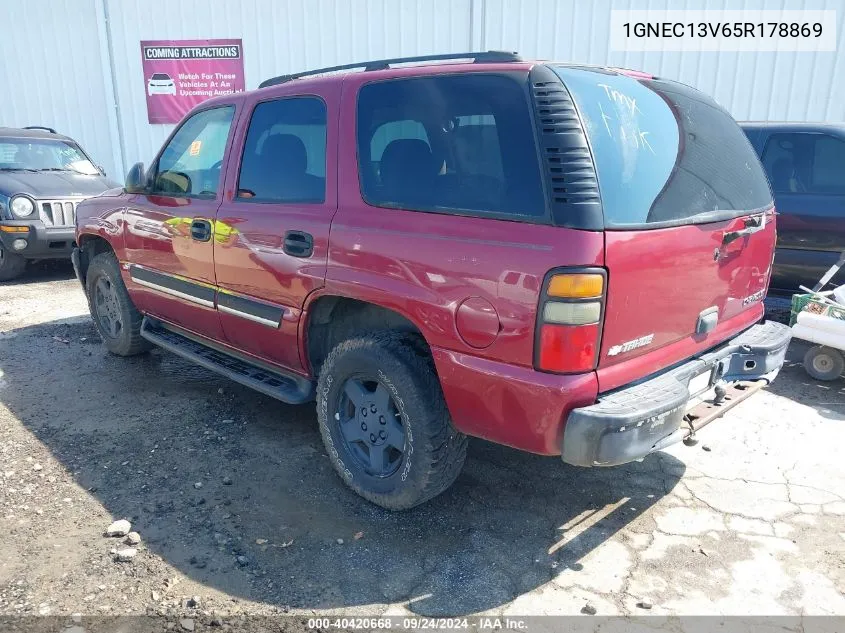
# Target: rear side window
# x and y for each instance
(665, 154)
(284, 157)
(805, 163)
(391, 131)
(450, 143)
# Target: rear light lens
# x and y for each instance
(576, 286)
(566, 348)
(571, 311)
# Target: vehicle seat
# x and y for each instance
(784, 177)
(408, 171)
(284, 165)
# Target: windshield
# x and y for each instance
(44, 155)
(665, 153)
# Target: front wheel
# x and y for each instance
(824, 363)
(384, 421)
(115, 316)
(12, 265)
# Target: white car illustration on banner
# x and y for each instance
(161, 84)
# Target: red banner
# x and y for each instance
(179, 74)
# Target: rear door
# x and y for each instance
(688, 216)
(807, 172)
(272, 234)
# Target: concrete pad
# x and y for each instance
(750, 526)
(603, 570)
(744, 498)
(688, 521)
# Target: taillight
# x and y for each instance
(569, 322)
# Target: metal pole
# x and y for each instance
(110, 83)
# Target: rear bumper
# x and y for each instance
(631, 422)
(41, 242)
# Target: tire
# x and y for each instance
(824, 363)
(115, 316)
(12, 265)
(432, 453)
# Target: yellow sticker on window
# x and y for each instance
(196, 146)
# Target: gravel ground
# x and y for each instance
(239, 511)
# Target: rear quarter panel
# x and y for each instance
(425, 265)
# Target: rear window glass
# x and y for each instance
(664, 153)
(450, 143)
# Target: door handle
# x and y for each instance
(201, 230)
(752, 225)
(298, 244)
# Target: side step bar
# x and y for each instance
(285, 387)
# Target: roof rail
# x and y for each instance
(40, 127)
(382, 64)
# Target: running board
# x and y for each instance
(285, 387)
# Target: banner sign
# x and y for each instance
(179, 74)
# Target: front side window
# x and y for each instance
(284, 157)
(450, 143)
(191, 162)
(805, 163)
(17, 154)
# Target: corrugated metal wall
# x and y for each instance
(76, 64)
(769, 86)
(51, 73)
(278, 37)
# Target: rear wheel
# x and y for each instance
(116, 317)
(12, 265)
(824, 363)
(384, 421)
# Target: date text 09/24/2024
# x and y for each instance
(420, 623)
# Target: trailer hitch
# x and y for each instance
(727, 396)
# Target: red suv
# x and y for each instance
(568, 260)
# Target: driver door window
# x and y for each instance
(190, 163)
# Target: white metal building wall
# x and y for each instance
(76, 64)
(768, 86)
(278, 37)
(51, 73)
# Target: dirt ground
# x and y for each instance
(237, 505)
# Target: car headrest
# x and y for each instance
(782, 175)
(285, 152)
(406, 160)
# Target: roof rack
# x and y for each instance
(382, 64)
(40, 127)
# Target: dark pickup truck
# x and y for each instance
(805, 163)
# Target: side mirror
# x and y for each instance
(136, 179)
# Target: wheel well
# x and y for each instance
(89, 247)
(334, 319)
